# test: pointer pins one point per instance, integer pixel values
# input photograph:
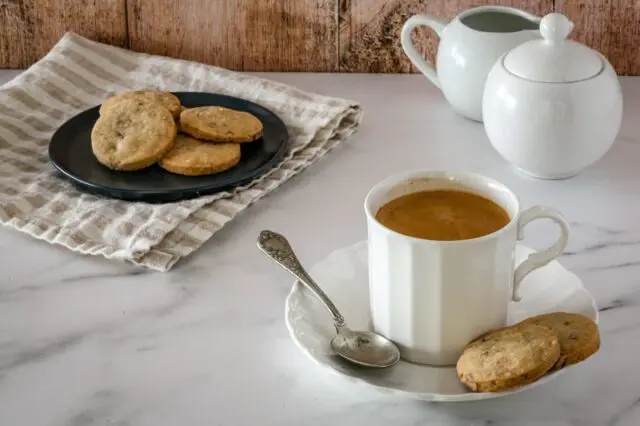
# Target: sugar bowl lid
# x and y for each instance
(554, 59)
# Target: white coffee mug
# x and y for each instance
(432, 297)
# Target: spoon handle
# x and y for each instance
(278, 248)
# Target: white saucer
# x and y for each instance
(343, 275)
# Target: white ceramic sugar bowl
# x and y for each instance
(552, 107)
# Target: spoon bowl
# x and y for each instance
(364, 348)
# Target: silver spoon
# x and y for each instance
(361, 347)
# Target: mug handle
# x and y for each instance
(437, 25)
(541, 258)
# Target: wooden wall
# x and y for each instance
(286, 35)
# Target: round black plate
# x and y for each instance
(70, 152)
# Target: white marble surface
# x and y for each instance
(85, 341)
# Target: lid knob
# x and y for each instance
(555, 28)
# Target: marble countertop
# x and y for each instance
(86, 341)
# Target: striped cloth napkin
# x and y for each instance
(78, 74)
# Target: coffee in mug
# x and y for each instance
(442, 215)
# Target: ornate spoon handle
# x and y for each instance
(278, 248)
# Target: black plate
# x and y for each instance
(70, 152)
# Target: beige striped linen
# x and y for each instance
(77, 74)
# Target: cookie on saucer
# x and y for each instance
(508, 358)
(578, 335)
(192, 157)
(132, 134)
(219, 124)
(166, 99)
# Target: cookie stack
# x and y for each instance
(521, 354)
(140, 128)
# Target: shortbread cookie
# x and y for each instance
(508, 358)
(192, 157)
(578, 335)
(166, 99)
(132, 135)
(219, 124)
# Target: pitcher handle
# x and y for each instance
(437, 25)
(541, 258)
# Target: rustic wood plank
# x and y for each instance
(250, 35)
(370, 29)
(29, 28)
(610, 26)
(14, 48)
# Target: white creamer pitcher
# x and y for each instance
(469, 46)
